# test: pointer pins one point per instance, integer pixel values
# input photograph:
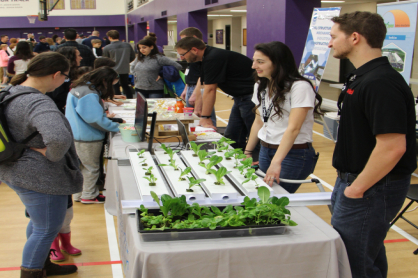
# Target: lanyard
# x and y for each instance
(266, 112)
(350, 80)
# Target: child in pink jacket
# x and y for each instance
(4, 59)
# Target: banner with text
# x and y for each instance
(316, 52)
(19, 7)
(400, 20)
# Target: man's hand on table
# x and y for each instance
(207, 123)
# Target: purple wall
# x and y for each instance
(267, 20)
(291, 24)
(14, 27)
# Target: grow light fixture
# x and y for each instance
(238, 11)
(327, 1)
(219, 15)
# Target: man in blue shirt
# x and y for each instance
(94, 35)
(42, 45)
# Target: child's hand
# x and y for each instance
(111, 115)
(118, 103)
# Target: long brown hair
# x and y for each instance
(70, 53)
(285, 73)
(100, 80)
(42, 65)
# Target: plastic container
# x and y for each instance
(205, 233)
(179, 106)
(128, 135)
(188, 112)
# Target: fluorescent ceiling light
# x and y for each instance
(327, 1)
(219, 15)
(239, 11)
(172, 21)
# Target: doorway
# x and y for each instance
(228, 37)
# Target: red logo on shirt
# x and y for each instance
(350, 91)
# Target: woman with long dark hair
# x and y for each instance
(285, 106)
(48, 170)
(146, 68)
(86, 114)
(19, 62)
(59, 95)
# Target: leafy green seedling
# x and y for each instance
(193, 182)
(238, 155)
(140, 153)
(212, 162)
(203, 155)
(223, 148)
(184, 173)
(152, 180)
(172, 164)
(229, 154)
(250, 176)
(148, 171)
(246, 163)
(143, 163)
(169, 151)
(196, 148)
(219, 174)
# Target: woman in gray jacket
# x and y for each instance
(48, 171)
(146, 68)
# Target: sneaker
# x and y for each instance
(100, 199)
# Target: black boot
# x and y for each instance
(55, 269)
(32, 273)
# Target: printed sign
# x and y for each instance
(400, 20)
(316, 51)
(18, 8)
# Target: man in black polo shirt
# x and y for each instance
(232, 73)
(193, 86)
(375, 150)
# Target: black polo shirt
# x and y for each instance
(376, 100)
(230, 70)
(194, 73)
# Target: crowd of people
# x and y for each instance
(67, 82)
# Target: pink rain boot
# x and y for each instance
(66, 245)
(56, 255)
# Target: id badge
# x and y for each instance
(186, 72)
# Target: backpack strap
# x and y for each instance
(3, 101)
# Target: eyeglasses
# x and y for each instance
(67, 78)
(182, 55)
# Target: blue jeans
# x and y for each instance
(240, 122)
(47, 213)
(363, 223)
(297, 165)
(190, 89)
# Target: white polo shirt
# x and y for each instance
(300, 95)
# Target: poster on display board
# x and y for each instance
(400, 21)
(316, 51)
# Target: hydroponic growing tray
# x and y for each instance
(206, 233)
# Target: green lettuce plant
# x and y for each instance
(238, 156)
(246, 163)
(169, 151)
(172, 164)
(203, 155)
(212, 162)
(250, 176)
(195, 147)
(219, 174)
(143, 163)
(152, 180)
(194, 182)
(140, 153)
(148, 171)
(184, 173)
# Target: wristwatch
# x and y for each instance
(206, 117)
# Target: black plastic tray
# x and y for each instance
(206, 233)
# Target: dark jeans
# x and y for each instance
(297, 165)
(190, 89)
(151, 93)
(363, 223)
(240, 121)
(124, 82)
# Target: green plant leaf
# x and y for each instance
(263, 193)
(155, 197)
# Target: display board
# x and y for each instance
(316, 51)
(400, 20)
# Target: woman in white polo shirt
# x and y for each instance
(285, 106)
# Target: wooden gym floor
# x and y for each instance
(93, 231)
